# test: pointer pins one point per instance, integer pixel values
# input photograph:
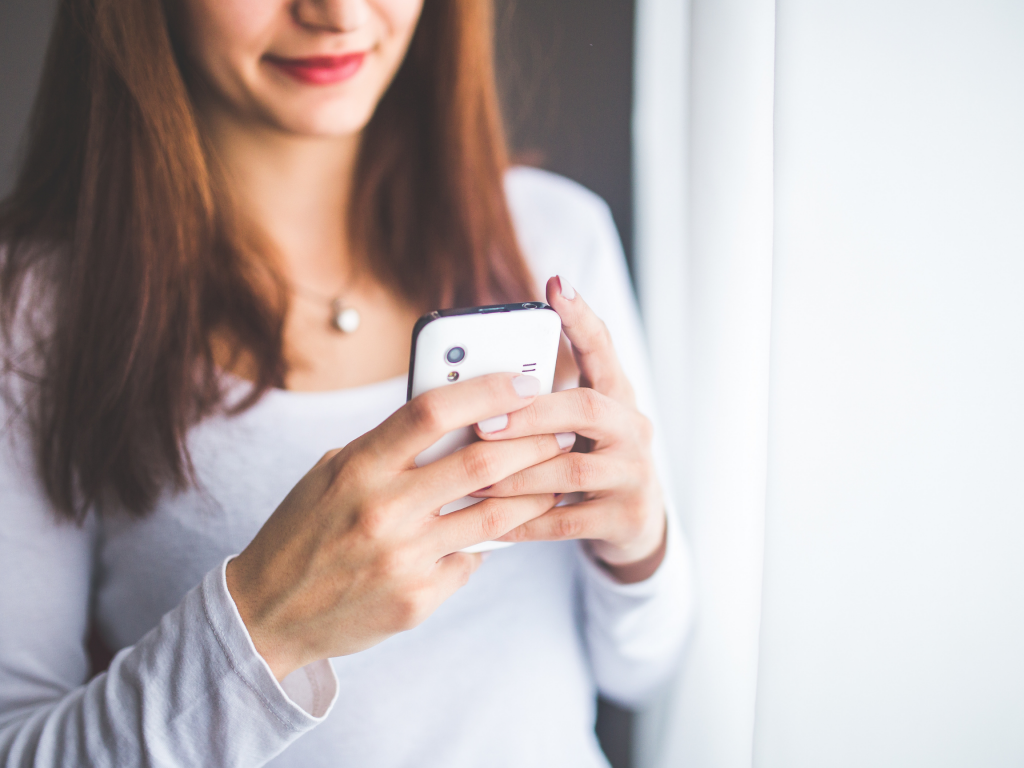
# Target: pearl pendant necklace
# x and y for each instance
(344, 319)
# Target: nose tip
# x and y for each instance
(331, 15)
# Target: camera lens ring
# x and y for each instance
(455, 355)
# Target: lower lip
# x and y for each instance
(322, 70)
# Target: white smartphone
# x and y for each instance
(452, 345)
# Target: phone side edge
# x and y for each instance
(422, 323)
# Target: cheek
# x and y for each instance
(225, 35)
(399, 17)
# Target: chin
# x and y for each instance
(325, 121)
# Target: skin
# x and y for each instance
(357, 551)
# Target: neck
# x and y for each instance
(296, 190)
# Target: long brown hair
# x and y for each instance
(118, 204)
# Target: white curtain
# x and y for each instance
(830, 258)
(703, 159)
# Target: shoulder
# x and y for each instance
(541, 196)
(562, 227)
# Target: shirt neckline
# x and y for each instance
(238, 386)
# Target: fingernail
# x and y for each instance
(566, 440)
(525, 386)
(484, 556)
(566, 289)
(493, 424)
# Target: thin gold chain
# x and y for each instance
(307, 293)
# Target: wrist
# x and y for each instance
(262, 639)
(630, 567)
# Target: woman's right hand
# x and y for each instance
(358, 551)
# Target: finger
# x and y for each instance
(426, 418)
(591, 342)
(586, 472)
(581, 410)
(451, 573)
(489, 520)
(476, 466)
(586, 520)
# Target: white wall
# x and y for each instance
(893, 614)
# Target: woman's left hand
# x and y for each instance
(622, 513)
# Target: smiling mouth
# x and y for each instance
(318, 70)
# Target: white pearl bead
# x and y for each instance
(347, 320)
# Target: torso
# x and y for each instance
(515, 632)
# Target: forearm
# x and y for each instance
(191, 692)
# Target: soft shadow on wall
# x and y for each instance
(24, 30)
(565, 69)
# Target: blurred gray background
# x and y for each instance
(565, 69)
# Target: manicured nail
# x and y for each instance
(565, 288)
(566, 440)
(525, 386)
(493, 424)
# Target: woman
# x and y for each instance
(210, 201)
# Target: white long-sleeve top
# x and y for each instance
(503, 674)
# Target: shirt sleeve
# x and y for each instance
(193, 691)
(635, 633)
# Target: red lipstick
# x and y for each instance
(319, 70)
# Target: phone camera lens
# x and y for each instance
(455, 355)
(531, 305)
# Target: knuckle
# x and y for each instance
(644, 473)
(493, 520)
(479, 462)
(516, 483)
(644, 429)
(527, 417)
(540, 446)
(638, 472)
(372, 523)
(328, 457)
(634, 520)
(519, 533)
(466, 571)
(580, 471)
(428, 412)
(592, 405)
(410, 608)
(391, 566)
(497, 388)
(568, 526)
(347, 474)
(377, 519)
